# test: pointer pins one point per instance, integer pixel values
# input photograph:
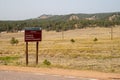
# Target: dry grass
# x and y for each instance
(84, 53)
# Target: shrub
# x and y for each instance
(72, 40)
(46, 62)
(95, 39)
(14, 41)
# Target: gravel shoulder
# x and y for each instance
(64, 72)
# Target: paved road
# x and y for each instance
(12, 75)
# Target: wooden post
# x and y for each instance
(26, 53)
(37, 43)
(111, 32)
(62, 34)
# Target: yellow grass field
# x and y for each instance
(84, 53)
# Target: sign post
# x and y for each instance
(37, 43)
(26, 53)
(33, 34)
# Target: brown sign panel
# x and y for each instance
(33, 34)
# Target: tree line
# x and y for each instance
(56, 25)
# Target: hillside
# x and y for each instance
(81, 16)
(64, 22)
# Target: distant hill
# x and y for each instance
(44, 16)
(96, 16)
(64, 22)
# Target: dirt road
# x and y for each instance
(13, 75)
(53, 74)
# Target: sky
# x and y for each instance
(26, 9)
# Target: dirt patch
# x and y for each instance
(65, 72)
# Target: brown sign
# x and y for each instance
(33, 34)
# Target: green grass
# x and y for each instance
(8, 59)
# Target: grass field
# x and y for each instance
(84, 53)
